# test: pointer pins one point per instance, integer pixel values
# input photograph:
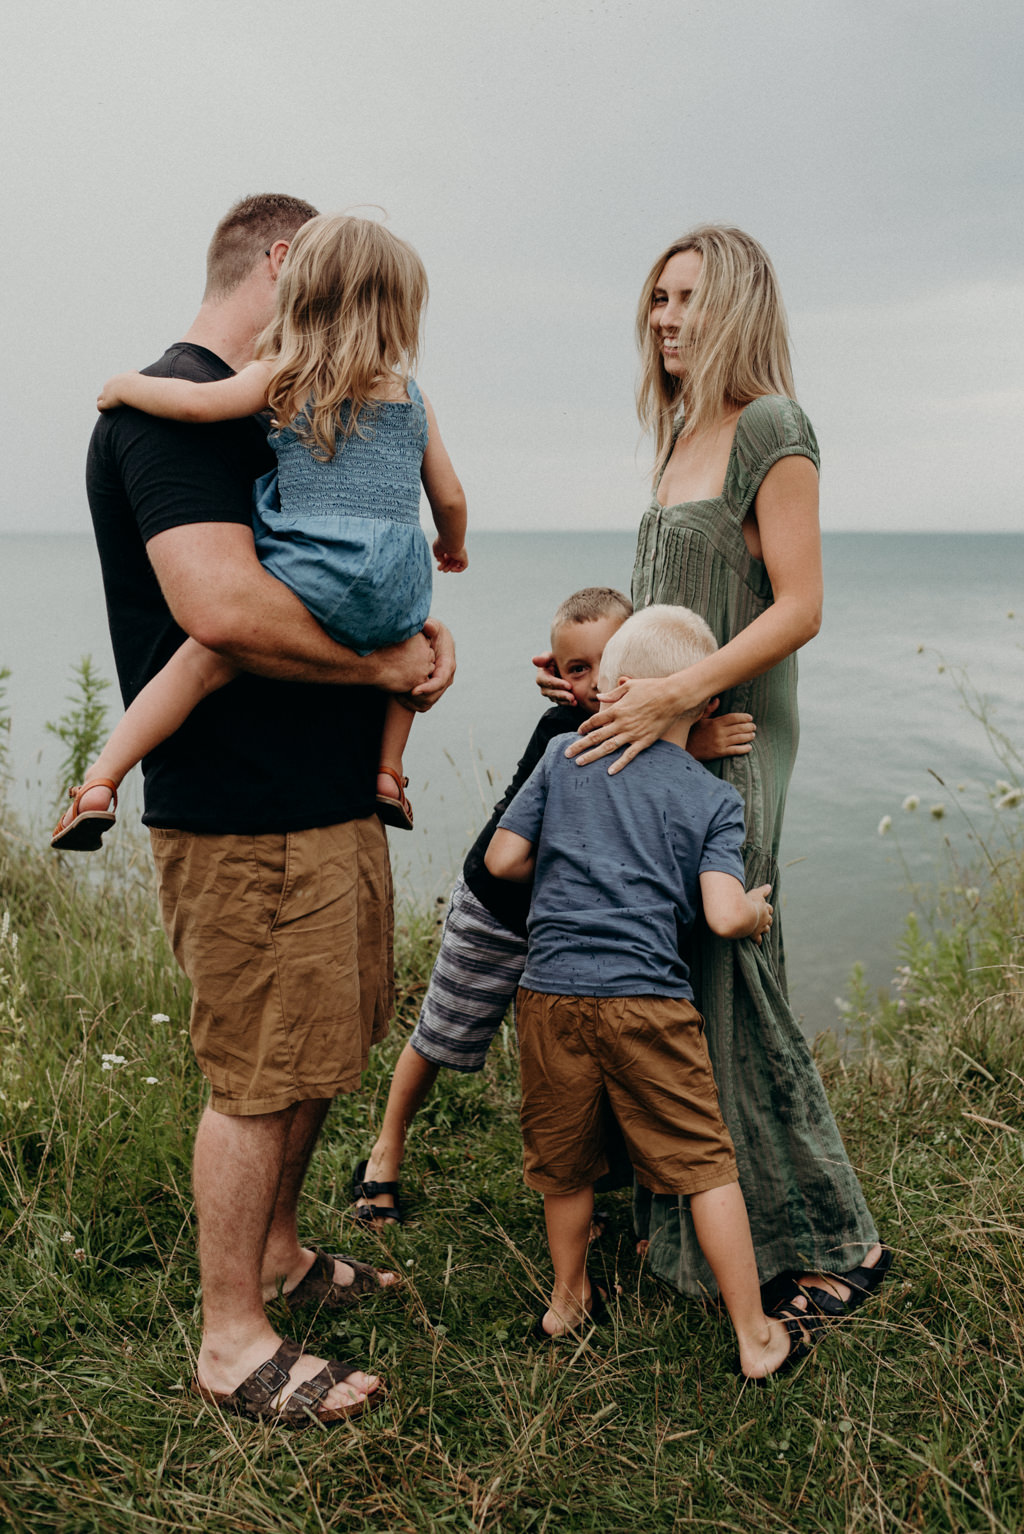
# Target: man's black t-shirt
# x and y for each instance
(260, 755)
(508, 902)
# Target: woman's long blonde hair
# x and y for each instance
(350, 296)
(737, 337)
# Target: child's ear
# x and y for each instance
(709, 708)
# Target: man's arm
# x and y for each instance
(219, 593)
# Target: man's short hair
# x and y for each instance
(659, 641)
(246, 233)
(590, 604)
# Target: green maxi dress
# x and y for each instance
(807, 1211)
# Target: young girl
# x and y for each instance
(354, 438)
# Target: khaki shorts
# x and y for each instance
(287, 940)
(642, 1057)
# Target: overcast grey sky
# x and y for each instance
(539, 155)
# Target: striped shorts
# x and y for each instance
(472, 985)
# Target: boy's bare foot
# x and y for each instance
(780, 1346)
(565, 1316)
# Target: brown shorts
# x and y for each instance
(644, 1057)
(287, 942)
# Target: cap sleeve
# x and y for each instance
(769, 428)
(420, 410)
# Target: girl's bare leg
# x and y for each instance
(161, 707)
(397, 725)
(723, 1231)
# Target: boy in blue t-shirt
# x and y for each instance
(620, 864)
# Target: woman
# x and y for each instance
(732, 532)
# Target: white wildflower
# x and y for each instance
(152, 1081)
(159, 1017)
(79, 1254)
(109, 1060)
(885, 825)
(911, 802)
(106, 1066)
(67, 1238)
(972, 894)
(1008, 800)
(845, 1007)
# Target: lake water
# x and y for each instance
(878, 715)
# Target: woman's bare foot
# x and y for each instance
(830, 1283)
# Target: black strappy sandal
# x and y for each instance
(363, 1194)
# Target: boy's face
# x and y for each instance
(577, 648)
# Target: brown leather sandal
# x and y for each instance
(317, 1286)
(84, 831)
(255, 1396)
(395, 812)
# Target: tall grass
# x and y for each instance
(907, 1417)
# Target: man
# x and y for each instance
(274, 879)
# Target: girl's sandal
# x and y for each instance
(84, 831)
(392, 811)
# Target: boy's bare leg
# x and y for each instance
(410, 1087)
(285, 1261)
(567, 1216)
(723, 1231)
(237, 1171)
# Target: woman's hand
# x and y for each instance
(717, 735)
(549, 681)
(635, 714)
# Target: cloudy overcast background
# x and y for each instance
(539, 155)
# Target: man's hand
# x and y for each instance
(401, 667)
(443, 675)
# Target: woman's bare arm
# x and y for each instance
(640, 710)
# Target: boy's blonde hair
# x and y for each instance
(350, 296)
(590, 604)
(659, 641)
(245, 233)
(737, 336)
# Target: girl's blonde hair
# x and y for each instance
(350, 296)
(737, 336)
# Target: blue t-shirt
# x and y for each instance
(618, 864)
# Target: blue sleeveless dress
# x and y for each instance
(345, 535)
